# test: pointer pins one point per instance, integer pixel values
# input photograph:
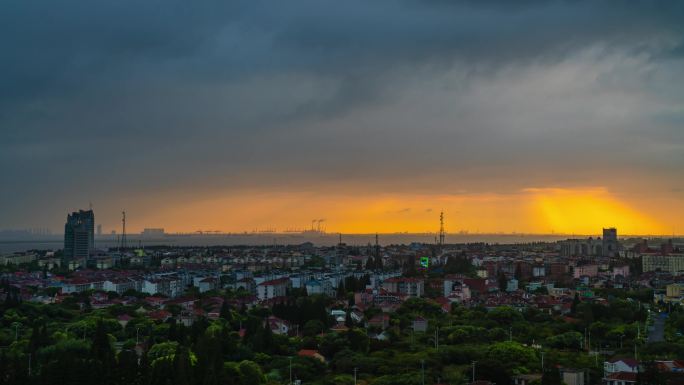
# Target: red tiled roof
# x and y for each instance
(380, 318)
(155, 299)
(403, 279)
(181, 300)
(479, 284)
(629, 361)
(339, 328)
(623, 376)
(159, 315)
(307, 353)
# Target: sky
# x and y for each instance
(372, 116)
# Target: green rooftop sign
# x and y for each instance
(424, 262)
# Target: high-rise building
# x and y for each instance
(610, 244)
(79, 235)
(99, 230)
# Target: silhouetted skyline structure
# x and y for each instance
(79, 235)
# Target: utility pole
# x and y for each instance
(588, 374)
(474, 362)
(542, 361)
(355, 370)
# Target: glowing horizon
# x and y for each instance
(582, 211)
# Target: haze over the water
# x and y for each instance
(529, 116)
(55, 242)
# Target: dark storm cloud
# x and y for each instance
(103, 99)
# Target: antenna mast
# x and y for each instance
(123, 230)
(377, 246)
(441, 228)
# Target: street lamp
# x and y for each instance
(16, 325)
(474, 362)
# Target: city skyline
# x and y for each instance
(532, 117)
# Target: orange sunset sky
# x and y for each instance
(531, 210)
(532, 117)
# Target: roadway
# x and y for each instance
(657, 332)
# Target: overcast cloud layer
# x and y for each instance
(124, 102)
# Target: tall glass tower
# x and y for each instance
(79, 235)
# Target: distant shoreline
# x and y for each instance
(54, 242)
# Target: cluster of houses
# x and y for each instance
(625, 371)
(553, 277)
(552, 280)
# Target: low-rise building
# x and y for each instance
(672, 263)
(572, 376)
(616, 365)
(121, 285)
(585, 271)
(411, 287)
(420, 324)
(273, 288)
(17, 259)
